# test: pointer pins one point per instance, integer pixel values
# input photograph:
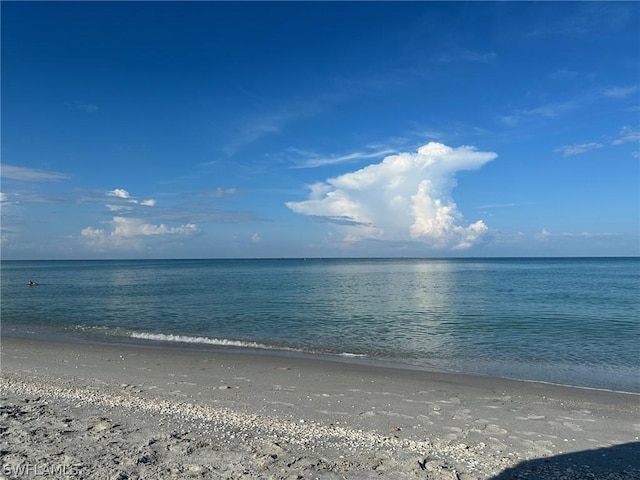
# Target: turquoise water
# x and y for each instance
(568, 321)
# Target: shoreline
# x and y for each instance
(220, 413)
(246, 348)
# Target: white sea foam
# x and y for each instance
(224, 342)
(161, 337)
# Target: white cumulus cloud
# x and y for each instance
(118, 192)
(131, 227)
(127, 231)
(405, 197)
(125, 195)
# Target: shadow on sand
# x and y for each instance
(617, 462)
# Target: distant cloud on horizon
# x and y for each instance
(546, 234)
(127, 232)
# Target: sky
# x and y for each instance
(319, 129)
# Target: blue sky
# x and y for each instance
(282, 129)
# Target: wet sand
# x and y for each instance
(123, 411)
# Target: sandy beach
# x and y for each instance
(125, 412)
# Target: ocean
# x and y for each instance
(571, 321)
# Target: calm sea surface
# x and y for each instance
(568, 321)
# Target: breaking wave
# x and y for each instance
(224, 342)
(162, 337)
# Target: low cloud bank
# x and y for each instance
(131, 232)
